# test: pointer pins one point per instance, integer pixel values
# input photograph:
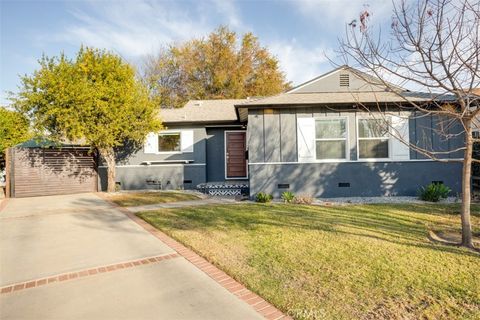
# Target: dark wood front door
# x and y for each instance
(235, 155)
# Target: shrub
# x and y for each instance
(303, 200)
(288, 196)
(434, 192)
(263, 197)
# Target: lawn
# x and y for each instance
(132, 199)
(338, 262)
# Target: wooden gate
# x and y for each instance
(51, 171)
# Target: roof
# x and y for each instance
(203, 111)
(337, 98)
(327, 89)
(360, 81)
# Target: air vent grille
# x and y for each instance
(344, 80)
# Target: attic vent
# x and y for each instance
(344, 80)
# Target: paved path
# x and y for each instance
(78, 257)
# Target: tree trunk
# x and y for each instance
(109, 156)
(466, 186)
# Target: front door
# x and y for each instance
(235, 155)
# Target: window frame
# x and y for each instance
(347, 155)
(388, 137)
(169, 133)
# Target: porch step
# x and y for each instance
(223, 188)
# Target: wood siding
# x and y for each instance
(272, 136)
(41, 172)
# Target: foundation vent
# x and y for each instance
(344, 184)
(283, 186)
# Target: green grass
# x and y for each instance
(340, 262)
(132, 199)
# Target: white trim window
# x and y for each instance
(373, 139)
(331, 136)
(169, 142)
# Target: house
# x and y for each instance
(316, 139)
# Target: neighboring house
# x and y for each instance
(315, 140)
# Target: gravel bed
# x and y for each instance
(363, 200)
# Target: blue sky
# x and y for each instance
(299, 32)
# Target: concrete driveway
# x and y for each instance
(75, 241)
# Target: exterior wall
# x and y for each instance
(207, 163)
(172, 176)
(132, 170)
(272, 144)
(365, 178)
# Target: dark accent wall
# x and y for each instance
(135, 156)
(272, 134)
(366, 179)
(272, 141)
(215, 155)
(172, 177)
(132, 172)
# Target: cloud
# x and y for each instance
(137, 28)
(301, 63)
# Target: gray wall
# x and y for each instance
(366, 179)
(208, 163)
(198, 155)
(132, 173)
(272, 139)
(173, 177)
(272, 135)
(215, 159)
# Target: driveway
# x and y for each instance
(91, 261)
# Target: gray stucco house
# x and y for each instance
(316, 139)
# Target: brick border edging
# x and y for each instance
(3, 204)
(261, 306)
(84, 273)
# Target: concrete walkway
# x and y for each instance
(78, 257)
(180, 204)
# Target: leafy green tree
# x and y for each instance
(93, 99)
(14, 129)
(218, 67)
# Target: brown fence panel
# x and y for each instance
(41, 171)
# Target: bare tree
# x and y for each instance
(434, 47)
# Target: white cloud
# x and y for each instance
(135, 28)
(300, 63)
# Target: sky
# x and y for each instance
(300, 33)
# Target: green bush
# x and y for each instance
(263, 197)
(288, 196)
(434, 192)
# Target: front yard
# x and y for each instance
(133, 199)
(340, 262)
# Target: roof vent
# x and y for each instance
(345, 80)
